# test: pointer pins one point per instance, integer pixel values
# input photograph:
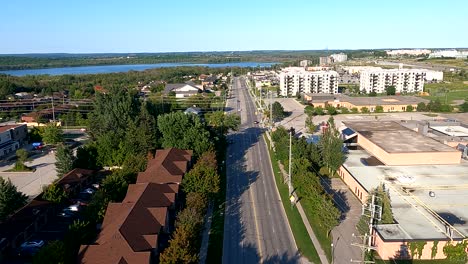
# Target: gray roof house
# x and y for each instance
(182, 89)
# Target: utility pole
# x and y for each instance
(371, 222)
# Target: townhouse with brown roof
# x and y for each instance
(137, 229)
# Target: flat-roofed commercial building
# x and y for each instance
(426, 180)
(404, 80)
(294, 80)
(388, 103)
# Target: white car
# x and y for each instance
(73, 208)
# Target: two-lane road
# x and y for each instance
(256, 229)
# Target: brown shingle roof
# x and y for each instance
(168, 166)
(131, 227)
(75, 176)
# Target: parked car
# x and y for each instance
(88, 190)
(67, 213)
(30, 248)
(74, 207)
(255, 122)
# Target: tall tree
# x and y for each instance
(184, 131)
(181, 248)
(10, 198)
(277, 111)
(203, 177)
(52, 134)
(64, 160)
(54, 193)
(86, 157)
(331, 147)
(223, 122)
(391, 90)
(53, 252)
(22, 157)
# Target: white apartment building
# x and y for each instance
(358, 69)
(304, 63)
(339, 57)
(449, 54)
(294, 80)
(433, 76)
(404, 80)
(410, 52)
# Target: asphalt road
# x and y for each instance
(256, 229)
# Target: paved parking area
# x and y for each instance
(297, 117)
(30, 183)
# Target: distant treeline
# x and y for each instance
(36, 61)
(82, 85)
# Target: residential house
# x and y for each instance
(12, 137)
(135, 230)
(182, 90)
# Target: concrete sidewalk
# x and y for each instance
(206, 234)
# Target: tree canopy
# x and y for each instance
(10, 198)
(64, 160)
(277, 111)
(52, 134)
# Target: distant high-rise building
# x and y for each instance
(294, 80)
(411, 52)
(304, 63)
(324, 61)
(449, 54)
(404, 80)
(339, 57)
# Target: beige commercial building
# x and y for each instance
(427, 182)
(388, 103)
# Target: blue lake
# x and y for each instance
(129, 67)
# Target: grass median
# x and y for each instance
(303, 241)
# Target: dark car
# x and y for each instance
(255, 122)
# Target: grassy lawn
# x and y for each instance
(298, 228)
(456, 91)
(438, 261)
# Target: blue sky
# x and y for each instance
(95, 26)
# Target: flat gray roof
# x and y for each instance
(417, 215)
(395, 138)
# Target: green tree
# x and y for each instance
(185, 132)
(157, 88)
(331, 147)
(10, 198)
(364, 110)
(115, 185)
(354, 110)
(53, 252)
(384, 201)
(86, 157)
(55, 194)
(197, 201)
(331, 110)
(35, 134)
(391, 90)
(64, 160)
(223, 122)
(409, 108)
(22, 157)
(309, 110)
(277, 111)
(421, 107)
(309, 124)
(319, 110)
(344, 110)
(379, 109)
(203, 177)
(463, 107)
(181, 248)
(52, 134)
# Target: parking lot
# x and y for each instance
(297, 117)
(30, 183)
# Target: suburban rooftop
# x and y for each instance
(395, 138)
(417, 214)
